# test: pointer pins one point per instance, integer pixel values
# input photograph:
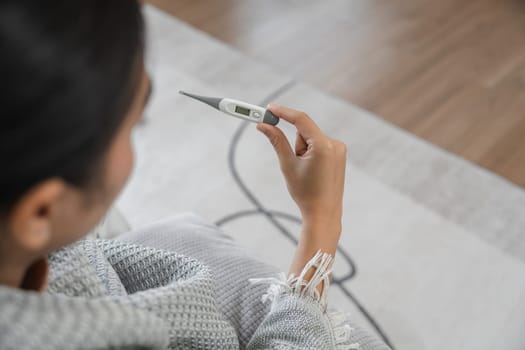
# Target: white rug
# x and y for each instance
(439, 244)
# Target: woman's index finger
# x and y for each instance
(304, 124)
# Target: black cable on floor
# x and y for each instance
(272, 216)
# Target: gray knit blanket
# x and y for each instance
(177, 284)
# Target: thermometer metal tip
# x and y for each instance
(236, 108)
(212, 101)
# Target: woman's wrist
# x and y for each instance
(320, 216)
(322, 228)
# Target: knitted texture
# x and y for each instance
(130, 293)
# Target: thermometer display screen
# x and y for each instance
(242, 110)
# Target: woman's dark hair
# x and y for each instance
(68, 73)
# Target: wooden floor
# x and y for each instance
(449, 71)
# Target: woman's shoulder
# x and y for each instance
(31, 320)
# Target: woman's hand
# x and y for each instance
(314, 173)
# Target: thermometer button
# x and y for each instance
(256, 114)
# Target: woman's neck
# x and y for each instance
(30, 276)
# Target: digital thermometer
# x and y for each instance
(238, 109)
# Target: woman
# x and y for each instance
(74, 88)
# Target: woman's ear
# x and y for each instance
(30, 219)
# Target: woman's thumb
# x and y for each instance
(278, 140)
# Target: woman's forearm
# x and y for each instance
(315, 236)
